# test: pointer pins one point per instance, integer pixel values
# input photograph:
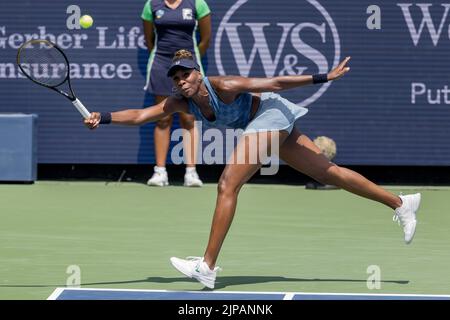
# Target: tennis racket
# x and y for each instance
(44, 63)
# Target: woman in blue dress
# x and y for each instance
(170, 25)
(251, 104)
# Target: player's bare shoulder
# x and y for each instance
(176, 103)
(228, 86)
(226, 83)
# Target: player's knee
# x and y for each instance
(187, 123)
(328, 175)
(332, 174)
(227, 186)
(164, 123)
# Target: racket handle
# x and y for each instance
(81, 108)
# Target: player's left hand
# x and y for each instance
(340, 70)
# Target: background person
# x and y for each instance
(170, 25)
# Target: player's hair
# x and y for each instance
(182, 54)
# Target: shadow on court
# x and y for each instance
(221, 282)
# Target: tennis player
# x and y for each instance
(251, 104)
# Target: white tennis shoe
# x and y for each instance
(406, 215)
(159, 178)
(195, 267)
(191, 179)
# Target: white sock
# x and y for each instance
(190, 169)
(160, 169)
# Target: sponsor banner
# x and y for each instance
(393, 108)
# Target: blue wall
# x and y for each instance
(370, 113)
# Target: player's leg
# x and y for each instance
(161, 138)
(303, 155)
(234, 176)
(239, 169)
(190, 145)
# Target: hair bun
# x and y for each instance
(182, 54)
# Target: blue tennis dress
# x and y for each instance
(274, 113)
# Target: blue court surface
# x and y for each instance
(121, 294)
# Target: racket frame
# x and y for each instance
(77, 103)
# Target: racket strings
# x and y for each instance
(43, 63)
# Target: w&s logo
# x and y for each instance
(269, 38)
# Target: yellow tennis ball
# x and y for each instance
(86, 21)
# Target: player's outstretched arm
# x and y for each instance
(136, 117)
(340, 70)
(242, 84)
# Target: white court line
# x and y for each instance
(287, 295)
(55, 294)
(374, 294)
(61, 289)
